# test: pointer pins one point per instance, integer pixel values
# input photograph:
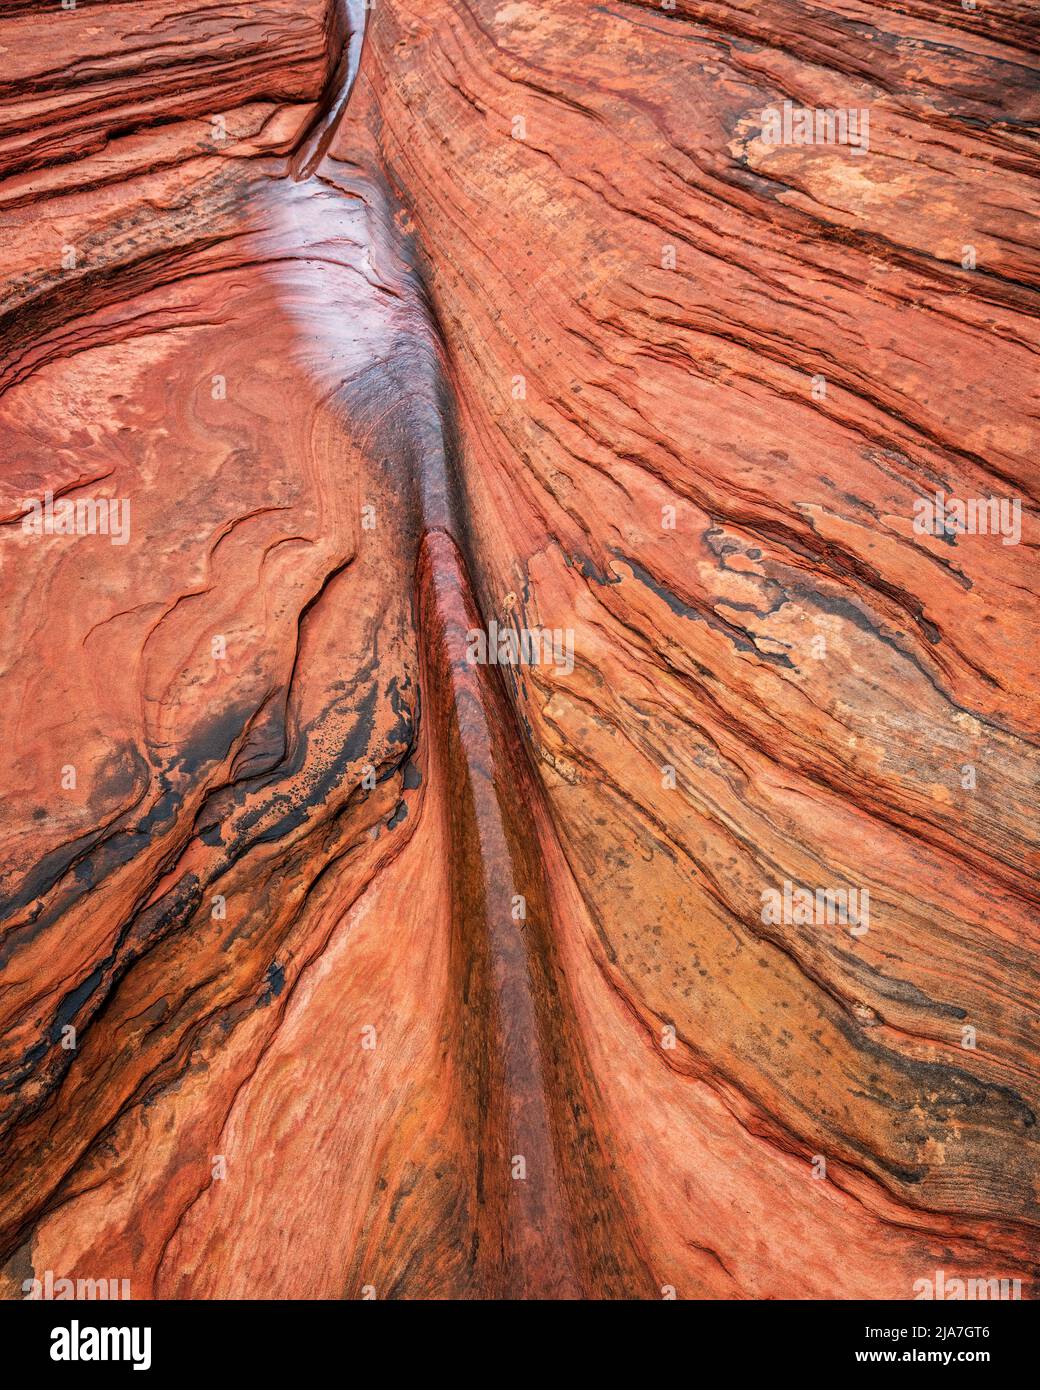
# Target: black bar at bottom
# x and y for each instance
(72, 1339)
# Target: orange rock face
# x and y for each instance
(519, 533)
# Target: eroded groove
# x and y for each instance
(344, 950)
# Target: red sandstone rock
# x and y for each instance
(388, 971)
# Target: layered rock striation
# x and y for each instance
(519, 531)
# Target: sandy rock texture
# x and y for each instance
(347, 358)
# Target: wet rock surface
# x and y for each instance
(502, 544)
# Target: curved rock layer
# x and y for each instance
(338, 963)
